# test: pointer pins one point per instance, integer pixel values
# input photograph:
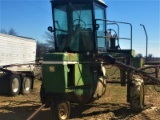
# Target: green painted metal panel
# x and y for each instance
(137, 62)
(83, 74)
(125, 53)
(61, 57)
(54, 77)
(55, 57)
(78, 75)
(72, 77)
(73, 57)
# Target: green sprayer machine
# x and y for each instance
(84, 44)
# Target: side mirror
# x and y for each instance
(50, 29)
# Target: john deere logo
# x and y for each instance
(51, 68)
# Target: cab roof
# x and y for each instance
(101, 2)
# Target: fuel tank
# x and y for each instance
(76, 76)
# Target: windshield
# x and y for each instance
(73, 27)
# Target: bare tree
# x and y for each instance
(150, 55)
(139, 55)
(3, 31)
(50, 40)
(48, 46)
(11, 31)
(42, 48)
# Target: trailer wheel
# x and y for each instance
(60, 109)
(137, 94)
(14, 85)
(26, 85)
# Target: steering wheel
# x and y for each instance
(78, 24)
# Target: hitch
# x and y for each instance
(36, 112)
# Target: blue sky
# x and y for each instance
(31, 18)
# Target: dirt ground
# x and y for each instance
(112, 106)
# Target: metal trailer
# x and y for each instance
(17, 59)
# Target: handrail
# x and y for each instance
(146, 41)
(117, 29)
(118, 22)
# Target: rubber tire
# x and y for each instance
(14, 85)
(26, 85)
(4, 78)
(100, 88)
(137, 94)
(58, 106)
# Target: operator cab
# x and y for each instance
(75, 27)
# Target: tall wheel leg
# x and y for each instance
(129, 79)
(137, 94)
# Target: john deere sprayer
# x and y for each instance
(84, 44)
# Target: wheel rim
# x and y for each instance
(141, 96)
(15, 85)
(27, 84)
(63, 110)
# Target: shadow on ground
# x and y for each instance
(22, 110)
(119, 111)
